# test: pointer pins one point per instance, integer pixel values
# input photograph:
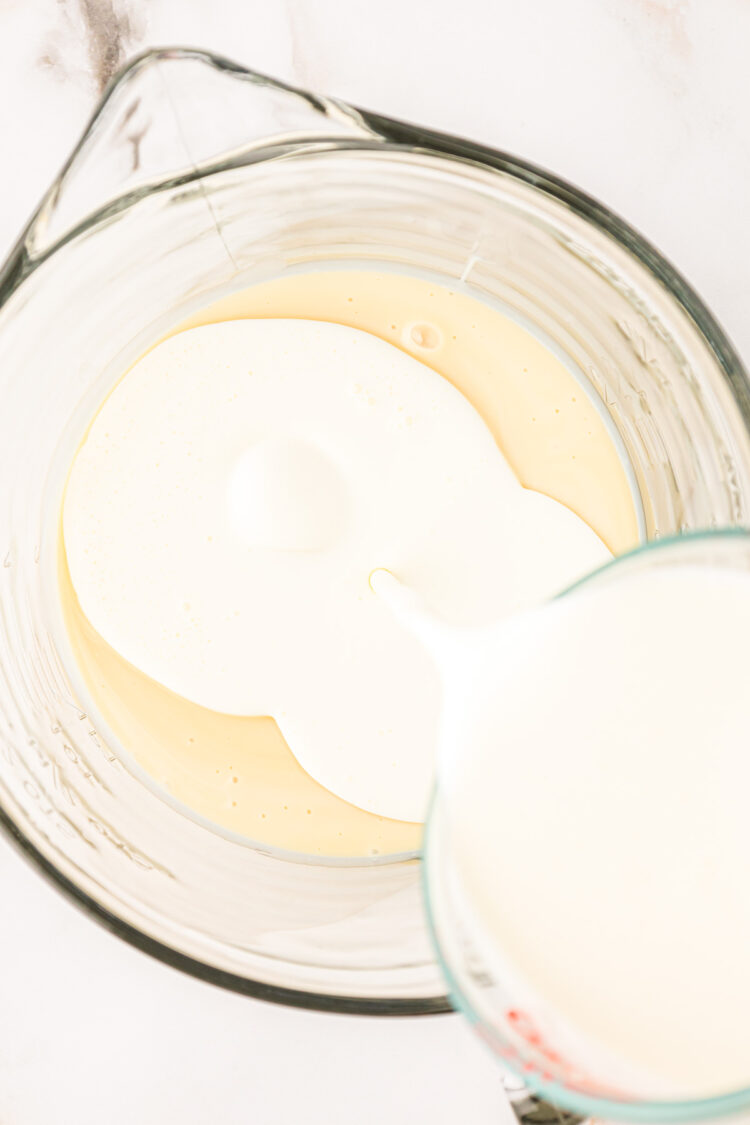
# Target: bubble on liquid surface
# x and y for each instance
(423, 335)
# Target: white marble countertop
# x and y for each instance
(641, 102)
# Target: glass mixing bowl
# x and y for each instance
(554, 1062)
(196, 177)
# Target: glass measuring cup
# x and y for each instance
(533, 1043)
(196, 177)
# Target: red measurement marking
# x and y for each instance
(523, 1025)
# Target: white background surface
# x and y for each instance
(643, 103)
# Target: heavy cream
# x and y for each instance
(594, 771)
(234, 494)
(237, 771)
